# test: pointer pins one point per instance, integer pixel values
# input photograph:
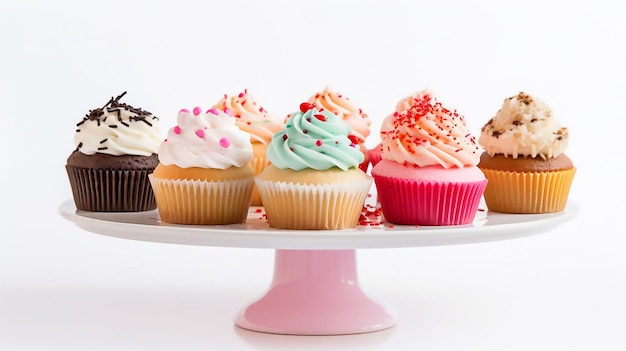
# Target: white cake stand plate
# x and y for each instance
(314, 289)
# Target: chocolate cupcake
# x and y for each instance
(116, 150)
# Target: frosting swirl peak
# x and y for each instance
(428, 134)
(250, 116)
(343, 107)
(314, 138)
(524, 126)
(118, 129)
(205, 139)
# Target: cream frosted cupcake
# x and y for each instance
(116, 150)
(525, 159)
(313, 181)
(428, 173)
(345, 109)
(402, 105)
(204, 174)
(255, 120)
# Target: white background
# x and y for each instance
(62, 288)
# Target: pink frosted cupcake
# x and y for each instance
(344, 108)
(428, 173)
(401, 106)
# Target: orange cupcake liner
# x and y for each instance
(527, 192)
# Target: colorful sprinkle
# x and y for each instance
(318, 143)
(184, 110)
(213, 110)
(353, 138)
(197, 110)
(200, 133)
(305, 106)
(224, 142)
(177, 130)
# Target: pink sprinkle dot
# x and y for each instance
(213, 110)
(224, 142)
(184, 110)
(318, 143)
(228, 112)
(200, 133)
(177, 130)
(197, 110)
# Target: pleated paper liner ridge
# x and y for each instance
(105, 190)
(413, 202)
(201, 201)
(528, 192)
(313, 206)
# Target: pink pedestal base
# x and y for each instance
(315, 292)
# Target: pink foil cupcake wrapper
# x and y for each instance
(428, 203)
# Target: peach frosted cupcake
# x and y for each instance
(255, 120)
(314, 180)
(350, 113)
(525, 159)
(204, 174)
(428, 173)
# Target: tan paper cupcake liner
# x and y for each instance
(202, 202)
(527, 192)
(105, 190)
(322, 206)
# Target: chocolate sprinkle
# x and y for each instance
(114, 105)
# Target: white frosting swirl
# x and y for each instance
(118, 129)
(524, 126)
(205, 139)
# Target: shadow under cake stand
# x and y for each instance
(314, 289)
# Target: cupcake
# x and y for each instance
(428, 173)
(253, 119)
(314, 180)
(345, 109)
(401, 106)
(204, 174)
(116, 150)
(524, 158)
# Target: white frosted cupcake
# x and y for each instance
(204, 174)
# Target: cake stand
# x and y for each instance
(314, 289)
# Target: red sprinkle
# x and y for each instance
(284, 136)
(320, 117)
(318, 143)
(305, 106)
(353, 138)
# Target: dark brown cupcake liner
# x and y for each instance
(105, 190)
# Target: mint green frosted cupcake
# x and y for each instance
(314, 180)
